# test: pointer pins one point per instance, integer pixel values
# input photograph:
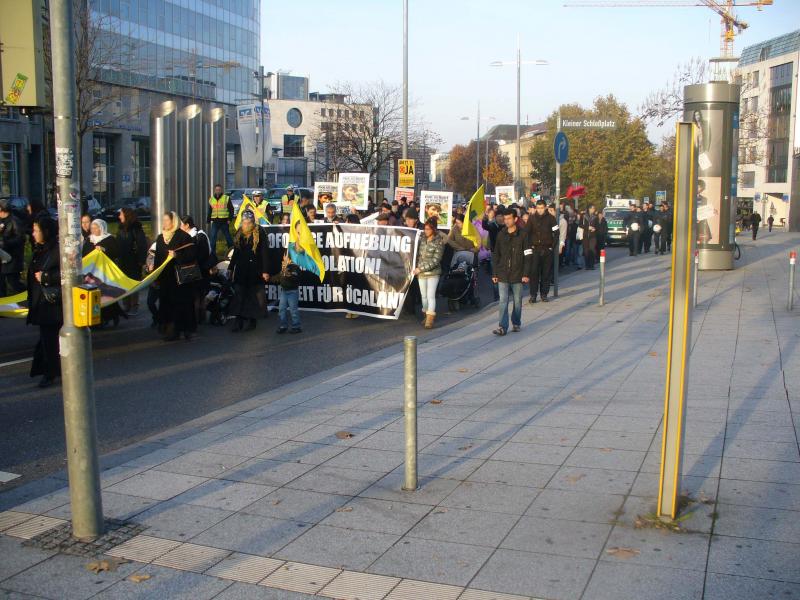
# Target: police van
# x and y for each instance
(617, 208)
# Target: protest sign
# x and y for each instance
(353, 191)
(368, 268)
(404, 192)
(505, 194)
(325, 192)
(439, 205)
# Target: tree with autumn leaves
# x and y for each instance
(461, 168)
(606, 161)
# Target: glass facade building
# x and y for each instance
(203, 49)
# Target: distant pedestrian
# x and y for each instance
(770, 222)
(755, 223)
(12, 242)
(539, 230)
(176, 315)
(249, 274)
(590, 230)
(288, 281)
(220, 213)
(133, 245)
(44, 300)
(429, 269)
(633, 227)
(511, 261)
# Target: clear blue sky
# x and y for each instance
(592, 51)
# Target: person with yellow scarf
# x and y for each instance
(176, 314)
(248, 272)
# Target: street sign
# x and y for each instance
(561, 147)
(588, 123)
(407, 177)
(661, 196)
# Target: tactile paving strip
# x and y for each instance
(298, 577)
(191, 557)
(481, 595)
(245, 568)
(350, 585)
(414, 590)
(33, 527)
(11, 518)
(144, 548)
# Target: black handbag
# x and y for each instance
(50, 293)
(188, 273)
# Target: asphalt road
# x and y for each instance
(144, 386)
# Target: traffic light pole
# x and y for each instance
(557, 250)
(75, 344)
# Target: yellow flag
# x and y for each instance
(246, 205)
(475, 210)
(302, 247)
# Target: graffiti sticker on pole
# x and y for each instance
(65, 160)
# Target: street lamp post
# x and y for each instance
(405, 78)
(518, 63)
(478, 146)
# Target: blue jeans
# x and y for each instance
(215, 229)
(516, 292)
(287, 303)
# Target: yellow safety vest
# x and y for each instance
(286, 202)
(219, 208)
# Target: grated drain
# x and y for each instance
(60, 538)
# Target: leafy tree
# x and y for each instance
(607, 161)
(461, 168)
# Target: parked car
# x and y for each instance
(89, 205)
(141, 205)
(237, 196)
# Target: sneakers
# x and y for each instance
(532, 300)
(295, 330)
(282, 330)
(545, 299)
(515, 328)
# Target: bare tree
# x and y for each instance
(666, 103)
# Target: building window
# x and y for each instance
(104, 165)
(321, 112)
(8, 170)
(754, 79)
(140, 166)
(748, 179)
(293, 146)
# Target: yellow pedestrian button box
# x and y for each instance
(86, 305)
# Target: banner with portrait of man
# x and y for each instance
(438, 205)
(353, 191)
(325, 192)
(504, 194)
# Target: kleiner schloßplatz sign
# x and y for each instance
(588, 123)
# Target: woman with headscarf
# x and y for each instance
(248, 268)
(176, 315)
(100, 239)
(86, 231)
(44, 300)
(133, 245)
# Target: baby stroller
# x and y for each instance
(460, 286)
(219, 295)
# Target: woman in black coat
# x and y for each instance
(176, 313)
(249, 273)
(133, 246)
(44, 300)
(100, 239)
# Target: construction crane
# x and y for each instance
(731, 24)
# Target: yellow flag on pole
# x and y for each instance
(302, 246)
(475, 210)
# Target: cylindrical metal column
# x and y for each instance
(405, 79)
(410, 409)
(75, 343)
(714, 110)
(792, 262)
(696, 276)
(190, 160)
(602, 277)
(163, 160)
(213, 158)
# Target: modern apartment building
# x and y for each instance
(769, 131)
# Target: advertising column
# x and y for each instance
(714, 110)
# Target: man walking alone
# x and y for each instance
(511, 260)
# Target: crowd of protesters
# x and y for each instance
(517, 247)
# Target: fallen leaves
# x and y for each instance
(652, 354)
(106, 564)
(463, 370)
(138, 578)
(345, 509)
(575, 478)
(606, 450)
(436, 401)
(344, 435)
(623, 552)
(465, 448)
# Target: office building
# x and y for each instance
(769, 132)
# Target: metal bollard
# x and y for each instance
(696, 271)
(602, 277)
(410, 409)
(792, 261)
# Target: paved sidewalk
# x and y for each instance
(539, 457)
